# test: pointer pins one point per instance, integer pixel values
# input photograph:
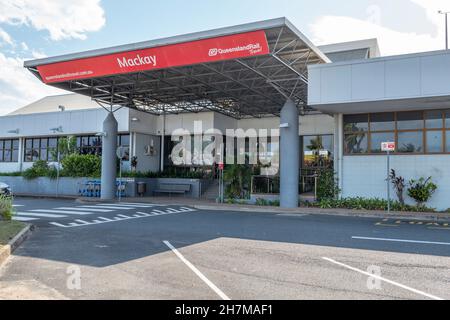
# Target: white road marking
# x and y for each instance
(107, 207)
(140, 204)
(130, 205)
(40, 215)
(401, 240)
(79, 213)
(18, 205)
(81, 209)
(58, 224)
(24, 219)
(383, 279)
(196, 271)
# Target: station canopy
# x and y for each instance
(242, 71)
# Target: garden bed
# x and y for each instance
(8, 230)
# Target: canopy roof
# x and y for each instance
(242, 71)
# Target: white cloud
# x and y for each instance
(5, 37)
(63, 19)
(18, 86)
(24, 46)
(332, 29)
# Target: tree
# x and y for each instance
(66, 146)
(237, 177)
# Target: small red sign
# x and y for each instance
(388, 146)
(181, 54)
(221, 166)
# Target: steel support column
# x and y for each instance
(289, 155)
(109, 158)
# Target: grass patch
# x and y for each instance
(8, 230)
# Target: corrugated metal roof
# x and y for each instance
(52, 103)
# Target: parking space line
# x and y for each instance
(107, 207)
(130, 205)
(196, 271)
(24, 219)
(80, 213)
(402, 240)
(40, 215)
(81, 209)
(383, 279)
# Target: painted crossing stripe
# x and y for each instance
(24, 219)
(130, 205)
(139, 204)
(18, 205)
(120, 217)
(40, 215)
(79, 213)
(81, 209)
(107, 207)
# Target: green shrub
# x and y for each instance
(173, 173)
(6, 208)
(327, 185)
(237, 178)
(421, 190)
(77, 165)
(359, 203)
(11, 174)
(261, 202)
(267, 203)
(39, 169)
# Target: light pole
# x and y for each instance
(446, 26)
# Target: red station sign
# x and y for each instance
(176, 55)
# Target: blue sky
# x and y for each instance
(38, 28)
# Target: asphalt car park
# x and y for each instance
(148, 251)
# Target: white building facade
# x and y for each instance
(359, 100)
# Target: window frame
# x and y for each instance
(424, 130)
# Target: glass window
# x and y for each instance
(447, 119)
(15, 155)
(382, 121)
(410, 120)
(44, 143)
(410, 142)
(36, 143)
(52, 142)
(29, 143)
(355, 123)
(447, 141)
(434, 141)
(125, 140)
(7, 153)
(84, 141)
(377, 138)
(434, 120)
(355, 143)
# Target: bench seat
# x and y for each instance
(173, 188)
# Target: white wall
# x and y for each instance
(365, 175)
(309, 125)
(145, 162)
(398, 77)
(186, 121)
(72, 122)
(146, 122)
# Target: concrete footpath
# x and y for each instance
(202, 204)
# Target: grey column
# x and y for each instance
(289, 155)
(109, 162)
